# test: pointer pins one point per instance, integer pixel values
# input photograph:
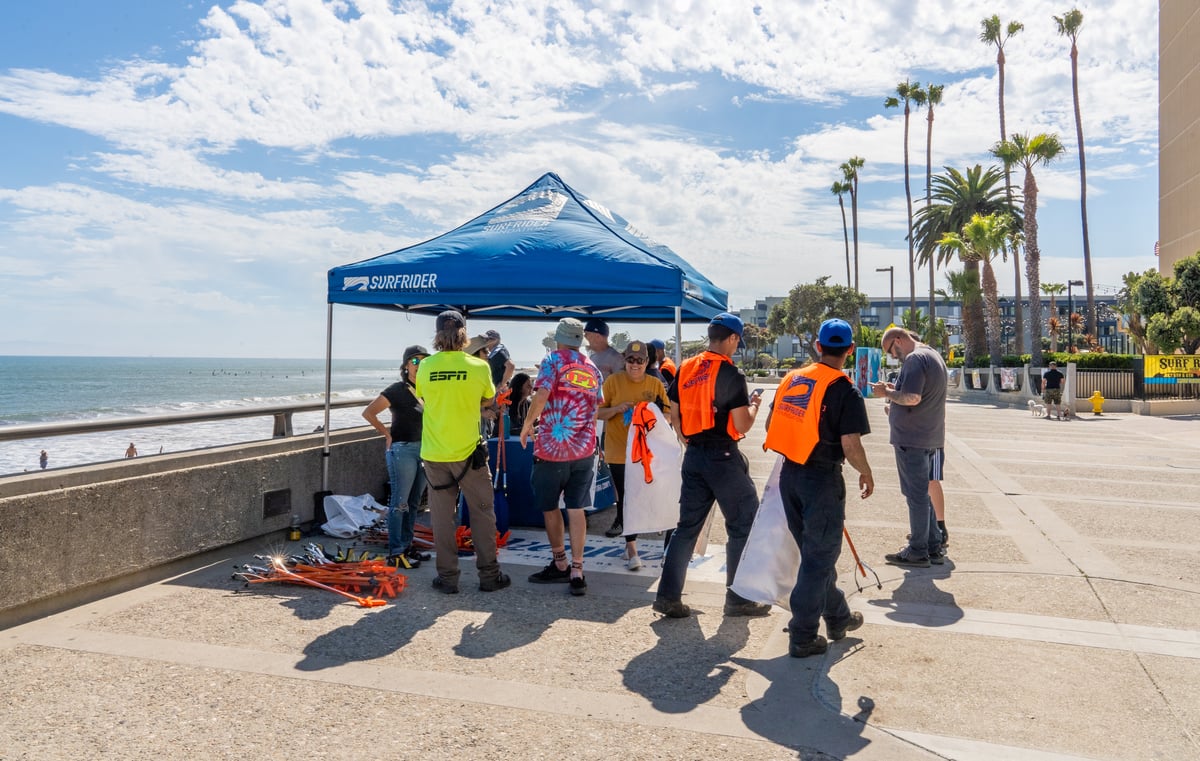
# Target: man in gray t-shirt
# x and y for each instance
(918, 430)
(605, 357)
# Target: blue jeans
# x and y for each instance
(710, 473)
(408, 484)
(913, 464)
(814, 501)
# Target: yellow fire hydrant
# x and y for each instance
(1097, 400)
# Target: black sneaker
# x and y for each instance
(838, 632)
(412, 553)
(444, 586)
(501, 581)
(402, 561)
(814, 646)
(937, 557)
(551, 575)
(671, 608)
(578, 586)
(617, 529)
(907, 559)
(747, 608)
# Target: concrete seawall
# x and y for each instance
(66, 530)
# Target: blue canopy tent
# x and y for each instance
(546, 253)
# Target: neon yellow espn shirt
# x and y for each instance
(452, 385)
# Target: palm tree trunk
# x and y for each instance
(1018, 313)
(1087, 249)
(854, 223)
(912, 265)
(991, 300)
(928, 194)
(974, 330)
(1032, 267)
(846, 237)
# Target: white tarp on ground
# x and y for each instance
(347, 517)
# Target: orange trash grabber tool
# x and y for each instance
(365, 602)
(862, 567)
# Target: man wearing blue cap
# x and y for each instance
(711, 410)
(817, 420)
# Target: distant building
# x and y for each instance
(877, 315)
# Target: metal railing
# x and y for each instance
(1112, 384)
(282, 415)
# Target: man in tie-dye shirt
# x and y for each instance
(566, 396)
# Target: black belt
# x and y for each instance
(714, 444)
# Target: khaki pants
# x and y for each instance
(476, 487)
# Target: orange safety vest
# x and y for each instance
(697, 387)
(643, 423)
(794, 431)
(667, 366)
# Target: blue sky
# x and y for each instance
(178, 177)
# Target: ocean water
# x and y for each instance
(64, 389)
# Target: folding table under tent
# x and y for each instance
(546, 253)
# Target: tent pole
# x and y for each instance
(678, 335)
(328, 374)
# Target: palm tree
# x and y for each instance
(963, 287)
(933, 97)
(1052, 290)
(996, 34)
(838, 189)
(850, 175)
(1030, 152)
(956, 197)
(1054, 330)
(906, 93)
(981, 240)
(1068, 26)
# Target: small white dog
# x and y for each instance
(1036, 409)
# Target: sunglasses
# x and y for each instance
(635, 360)
(415, 361)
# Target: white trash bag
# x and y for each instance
(771, 561)
(653, 506)
(347, 517)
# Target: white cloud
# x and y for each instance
(300, 134)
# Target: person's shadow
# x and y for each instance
(801, 707)
(684, 669)
(376, 634)
(918, 600)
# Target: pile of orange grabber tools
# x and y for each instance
(316, 569)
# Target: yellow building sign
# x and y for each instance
(1172, 368)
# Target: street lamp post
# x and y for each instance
(891, 290)
(1071, 311)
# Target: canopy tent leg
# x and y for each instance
(678, 335)
(328, 380)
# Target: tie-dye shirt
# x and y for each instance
(567, 426)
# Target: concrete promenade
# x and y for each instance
(1065, 625)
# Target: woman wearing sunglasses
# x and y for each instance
(403, 456)
(621, 393)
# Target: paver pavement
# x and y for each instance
(1065, 626)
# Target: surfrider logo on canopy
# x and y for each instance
(528, 211)
(425, 281)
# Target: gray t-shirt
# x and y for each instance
(609, 361)
(922, 426)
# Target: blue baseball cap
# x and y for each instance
(596, 325)
(657, 344)
(731, 321)
(835, 334)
